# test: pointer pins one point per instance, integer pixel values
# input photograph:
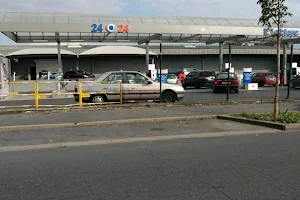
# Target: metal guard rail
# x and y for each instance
(37, 95)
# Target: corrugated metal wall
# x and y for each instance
(100, 64)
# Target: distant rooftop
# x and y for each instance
(132, 19)
(66, 27)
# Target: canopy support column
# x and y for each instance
(77, 62)
(221, 56)
(147, 56)
(59, 52)
(59, 55)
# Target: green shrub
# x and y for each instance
(286, 117)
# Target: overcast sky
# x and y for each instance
(201, 8)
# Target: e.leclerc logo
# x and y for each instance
(284, 32)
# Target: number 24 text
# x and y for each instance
(99, 28)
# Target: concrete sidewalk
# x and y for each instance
(135, 113)
(122, 131)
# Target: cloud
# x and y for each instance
(213, 8)
(200, 8)
(63, 6)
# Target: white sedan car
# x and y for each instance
(135, 86)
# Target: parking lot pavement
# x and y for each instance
(134, 113)
(79, 134)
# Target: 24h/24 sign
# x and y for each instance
(110, 28)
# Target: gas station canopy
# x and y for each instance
(59, 27)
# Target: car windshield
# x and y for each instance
(225, 76)
(83, 72)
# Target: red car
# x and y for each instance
(262, 79)
(221, 82)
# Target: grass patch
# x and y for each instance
(286, 117)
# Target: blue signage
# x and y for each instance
(164, 78)
(283, 32)
(247, 78)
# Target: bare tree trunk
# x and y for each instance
(276, 106)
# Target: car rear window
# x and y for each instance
(193, 74)
(225, 76)
(269, 74)
(205, 74)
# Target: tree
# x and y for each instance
(273, 12)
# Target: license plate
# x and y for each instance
(225, 83)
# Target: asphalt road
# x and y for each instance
(266, 93)
(237, 167)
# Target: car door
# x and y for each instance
(70, 75)
(111, 85)
(296, 81)
(141, 88)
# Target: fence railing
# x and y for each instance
(40, 94)
(5, 87)
(44, 89)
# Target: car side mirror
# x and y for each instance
(149, 82)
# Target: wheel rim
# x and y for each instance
(168, 99)
(98, 99)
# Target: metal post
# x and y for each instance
(220, 57)
(229, 66)
(290, 73)
(147, 56)
(36, 95)
(121, 93)
(160, 77)
(284, 69)
(80, 93)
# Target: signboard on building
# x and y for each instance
(284, 32)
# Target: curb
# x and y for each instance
(291, 127)
(102, 123)
(111, 141)
(274, 125)
(147, 105)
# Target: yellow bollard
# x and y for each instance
(36, 95)
(80, 94)
(121, 95)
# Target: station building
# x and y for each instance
(98, 43)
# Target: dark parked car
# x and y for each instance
(199, 79)
(221, 82)
(296, 81)
(78, 74)
(186, 70)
